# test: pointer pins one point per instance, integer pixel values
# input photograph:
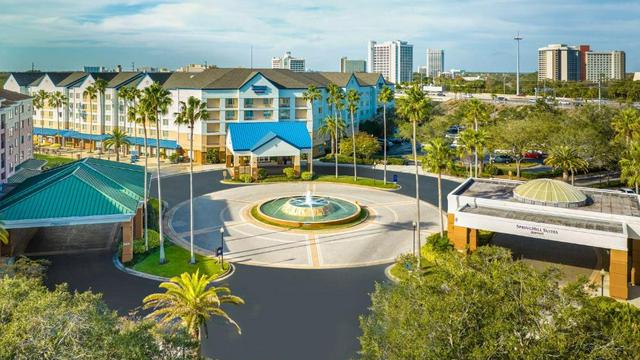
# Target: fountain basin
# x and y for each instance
(309, 212)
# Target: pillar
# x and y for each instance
(253, 167)
(473, 239)
(451, 218)
(138, 224)
(619, 274)
(296, 164)
(127, 241)
(635, 262)
(460, 237)
(229, 161)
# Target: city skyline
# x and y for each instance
(476, 35)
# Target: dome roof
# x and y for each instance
(549, 192)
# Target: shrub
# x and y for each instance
(174, 158)
(289, 172)
(246, 178)
(153, 207)
(212, 156)
(306, 176)
(262, 174)
(485, 237)
(439, 243)
(396, 161)
(154, 242)
(492, 170)
(366, 146)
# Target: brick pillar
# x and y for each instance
(296, 164)
(460, 237)
(619, 274)
(138, 225)
(127, 241)
(473, 239)
(635, 262)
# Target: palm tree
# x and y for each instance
(4, 235)
(139, 114)
(626, 123)
(39, 101)
(190, 113)
(566, 158)
(630, 166)
(439, 158)
(191, 300)
(123, 93)
(353, 99)
(117, 140)
(91, 92)
(311, 95)
(101, 86)
(158, 101)
(340, 105)
(57, 100)
(334, 99)
(476, 112)
(384, 97)
(132, 96)
(466, 144)
(328, 128)
(415, 107)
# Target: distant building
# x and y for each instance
(93, 69)
(636, 76)
(352, 66)
(194, 68)
(584, 49)
(435, 62)
(17, 123)
(392, 59)
(288, 62)
(608, 65)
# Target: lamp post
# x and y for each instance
(373, 175)
(222, 246)
(602, 274)
(517, 38)
(414, 236)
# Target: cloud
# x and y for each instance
(471, 31)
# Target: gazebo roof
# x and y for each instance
(84, 191)
(249, 136)
(549, 192)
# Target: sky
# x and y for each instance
(476, 35)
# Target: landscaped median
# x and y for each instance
(341, 179)
(177, 260)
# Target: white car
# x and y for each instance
(564, 102)
(627, 191)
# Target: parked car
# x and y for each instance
(627, 191)
(467, 96)
(502, 159)
(564, 102)
(441, 94)
(532, 101)
(502, 99)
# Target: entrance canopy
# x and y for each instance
(283, 138)
(548, 209)
(87, 191)
(134, 140)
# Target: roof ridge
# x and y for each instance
(99, 190)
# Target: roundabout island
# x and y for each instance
(303, 224)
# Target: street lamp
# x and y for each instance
(222, 246)
(414, 236)
(517, 38)
(602, 274)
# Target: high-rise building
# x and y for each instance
(605, 65)
(352, 66)
(584, 49)
(559, 62)
(288, 62)
(435, 62)
(392, 59)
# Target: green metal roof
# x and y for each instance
(85, 191)
(549, 192)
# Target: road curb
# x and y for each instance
(389, 275)
(309, 182)
(120, 266)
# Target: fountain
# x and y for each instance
(309, 210)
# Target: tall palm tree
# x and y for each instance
(384, 97)
(191, 300)
(190, 113)
(439, 158)
(101, 86)
(328, 128)
(466, 144)
(139, 114)
(92, 93)
(630, 166)
(39, 101)
(311, 95)
(415, 107)
(123, 94)
(117, 140)
(57, 100)
(566, 158)
(158, 101)
(340, 106)
(626, 124)
(334, 98)
(353, 100)
(475, 113)
(133, 95)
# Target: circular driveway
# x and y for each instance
(385, 234)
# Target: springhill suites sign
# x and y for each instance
(536, 230)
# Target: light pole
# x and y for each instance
(222, 246)
(517, 38)
(602, 274)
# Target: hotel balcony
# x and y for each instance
(231, 103)
(284, 102)
(214, 115)
(301, 114)
(301, 103)
(213, 103)
(251, 115)
(213, 128)
(261, 103)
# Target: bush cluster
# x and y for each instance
(262, 174)
(154, 242)
(306, 176)
(246, 178)
(290, 173)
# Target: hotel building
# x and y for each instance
(288, 62)
(609, 65)
(233, 95)
(352, 66)
(579, 63)
(15, 132)
(392, 59)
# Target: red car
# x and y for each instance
(534, 154)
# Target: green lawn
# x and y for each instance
(52, 161)
(177, 263)
(345, 179)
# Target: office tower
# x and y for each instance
(559, 62)
(351, 66)
(435, 62)
(392, 59)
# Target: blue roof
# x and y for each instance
(248, 136)
(151, 142)
(72, 134)
(44, 131)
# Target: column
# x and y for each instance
(296, 164)
(127, 241)
(253, 166)
(635, 262)
(473, 239)
(619, 274)
(138, 224)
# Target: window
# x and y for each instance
(230, 115)
(107, 128)
(165, 134)
(285, 114)
(248, 115)
(165, 122)
(248, 103)
(284, 102)
(229, 103)
(268, 114)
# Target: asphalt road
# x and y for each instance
(289, 314)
